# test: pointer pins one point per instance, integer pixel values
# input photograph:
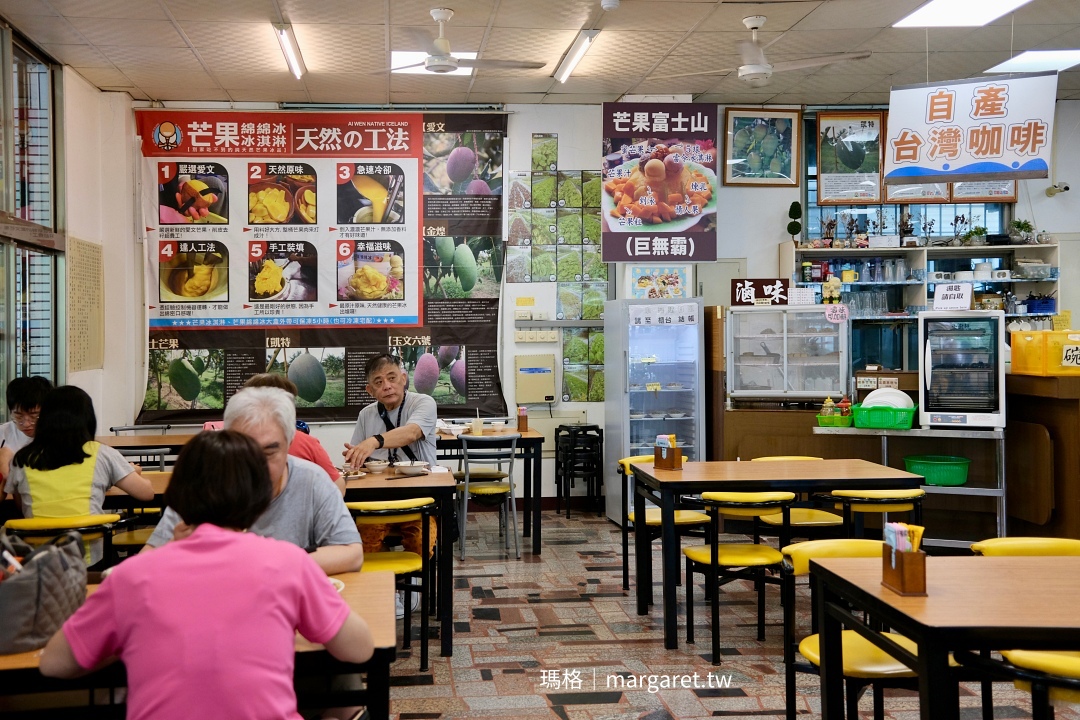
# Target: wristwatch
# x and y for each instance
(379, 438)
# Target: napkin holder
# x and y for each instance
(667, 458)
(908, 576)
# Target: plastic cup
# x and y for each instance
(477, 427)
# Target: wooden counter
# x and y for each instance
(1049, 409)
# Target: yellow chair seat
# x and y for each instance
(381, 505)
(801, 553)
(862, 658)
(735, 555)
(880, 494)
(682, 517)
(1027, 546)
(626, 462)
(139, 536)
(805, 517)
(486, 488)
(65, 523)
(399, 563)
(1065, 663)
(480, 474)
(748, 497)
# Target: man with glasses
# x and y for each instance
(398, 426)
(24, 396)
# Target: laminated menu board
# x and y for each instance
(304, 243)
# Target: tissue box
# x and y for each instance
(909, 575)
(665, 458)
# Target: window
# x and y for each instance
(883, 219)
(35, 312)
(32, 136)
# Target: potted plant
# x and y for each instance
(794, 227)
(975, 236)
(1021, 230)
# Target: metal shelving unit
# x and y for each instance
(997, 436)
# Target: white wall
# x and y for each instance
(99, 169)
(1060, 215)
(100, 166)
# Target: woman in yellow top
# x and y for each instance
(51, 478)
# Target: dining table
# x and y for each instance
(971, 603)
(370, 595)
(663, 487)
(173, 441)
(440, 485)
(529, 449)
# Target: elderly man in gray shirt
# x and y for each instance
(398, 426)
(305, 510)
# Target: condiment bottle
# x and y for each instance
(828, 407)
(844, 406)
(523, 419)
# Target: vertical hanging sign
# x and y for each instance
(658, 198)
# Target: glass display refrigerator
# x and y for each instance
(654, 365)
(962, 373)
(785, 352)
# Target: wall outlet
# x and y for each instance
(541, 315)
(866, 383)
(888, 382)
(523, 314)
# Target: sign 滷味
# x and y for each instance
(774, 291)
(971, 130)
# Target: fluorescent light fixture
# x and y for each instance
(401, 59)
(1038, 61)
(959, 13)
(288, 44)
(573, 56)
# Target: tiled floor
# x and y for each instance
(556, 637)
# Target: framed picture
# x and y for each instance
(849, 158)
(761, 147)
(987, 191)
(924, 193)
(659, 282)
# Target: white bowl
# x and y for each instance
(376, 466)
(455, 430)
(497, 425)
(411, 467)
(888, 397)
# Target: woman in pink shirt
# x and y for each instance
(206, 625)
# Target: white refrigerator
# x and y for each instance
(655, 383)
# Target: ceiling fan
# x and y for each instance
(756, 69)
(439, 59)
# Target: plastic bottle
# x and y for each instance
(828, 407)
(807, 273)
(844, 406)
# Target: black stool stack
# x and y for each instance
(579, 455)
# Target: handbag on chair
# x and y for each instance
(36, 600)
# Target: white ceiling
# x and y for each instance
(225, 50)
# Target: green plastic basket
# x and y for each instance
(834, 420)
(883, 418)
(939, 469)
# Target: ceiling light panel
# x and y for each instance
(1039, 61)
(959, 13)
(855, 14)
